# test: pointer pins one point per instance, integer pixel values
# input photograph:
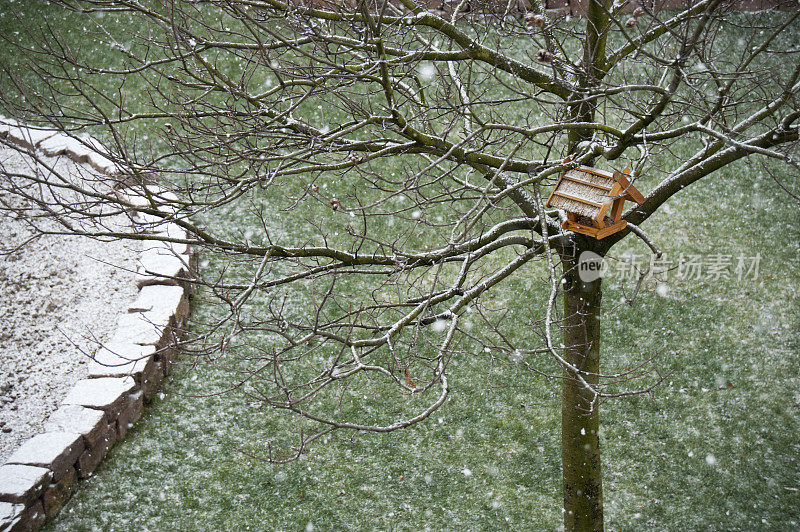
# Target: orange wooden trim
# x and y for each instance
(602, 214)
(593, 231)
(572, 216)
(622, 178)
(611, 229)
(616, 210)
(615, 190)
(631, 193)
(576, 198)
(635, 196)
(578, 228)
(596, 171)
(550, 197)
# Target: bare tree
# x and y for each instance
(384, 166)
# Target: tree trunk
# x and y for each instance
(580, 416)
(580, 442)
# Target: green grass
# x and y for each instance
(699, 454)
(181, 466)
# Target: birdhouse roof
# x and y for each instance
(590, 191)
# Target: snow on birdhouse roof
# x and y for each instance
(582, 191)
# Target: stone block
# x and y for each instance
(191, 258)
(149, 193)
(136, 406)
(160, 222)
(28, 137)
(97, 157)
(151, 382)
(171, 230)
(166, 207)
(55, 145)
(178, 249)
(141, 328)
(22, 483)
(102, 164)
(57, 451)
(59, 492)
(35, 517)
(161, 266)
(163, 302)
(61, 144)
(92, 456)
(89, 423)
(17, 136)
(106, 393)
(130, 414)
(159, 228)
(89, 460)
(166, 358)
(5, 125)
(121, 360)
(9, 513)
(30, 519)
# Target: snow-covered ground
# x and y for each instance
(59, 296)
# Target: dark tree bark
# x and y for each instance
(580, 415)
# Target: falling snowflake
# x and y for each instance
(439, 325)
(427, 71)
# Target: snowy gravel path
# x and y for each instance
(59, 296)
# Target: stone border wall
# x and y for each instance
(124, 374)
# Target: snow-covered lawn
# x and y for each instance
(717, 446)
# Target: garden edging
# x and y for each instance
(125, 372)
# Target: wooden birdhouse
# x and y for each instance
(593, 200)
